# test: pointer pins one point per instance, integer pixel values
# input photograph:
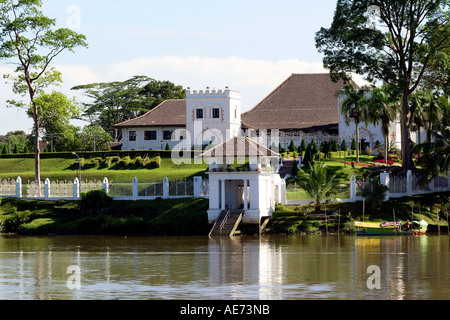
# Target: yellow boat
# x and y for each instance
(390, 228)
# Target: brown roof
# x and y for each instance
(171, 113)
(239, 147)
(303, 101)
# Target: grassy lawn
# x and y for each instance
(64, 169)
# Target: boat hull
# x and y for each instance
(388, 229)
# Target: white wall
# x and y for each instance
(142, 144)
(209, 128)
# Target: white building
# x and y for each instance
(302, 107)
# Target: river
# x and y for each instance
(200, 268)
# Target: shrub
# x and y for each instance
(94, 199)
(153, 162)
(138, 161)
(124, 162)
(13, 222)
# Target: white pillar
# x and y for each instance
(135, 188)
(353, 189)
(166, 188)
(198, 186)
(384, 180)
(106, 185)
(409, 186)
(19, 187)
(222, 194)
(245, 195)
(76, 189)
(47, 189)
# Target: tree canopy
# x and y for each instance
(399, 42)
(114, 102)
(29, 40)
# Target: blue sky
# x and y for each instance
(249, 45)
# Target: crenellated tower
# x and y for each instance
(212, 115)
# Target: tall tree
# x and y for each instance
(382, 109)
(396, 41)
(114, 102)
(29, 40)
(354, 107)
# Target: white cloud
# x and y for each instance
(253, 78)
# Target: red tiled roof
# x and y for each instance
(302, 101)
(171, 113)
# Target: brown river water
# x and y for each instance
(202, 268)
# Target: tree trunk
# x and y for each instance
(407, 162)
(386, 147)
(357, 142)
(37, 150)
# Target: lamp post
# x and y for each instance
(79, 167)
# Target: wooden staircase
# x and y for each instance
(227, 223)
(286, 169)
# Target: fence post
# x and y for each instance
(198, 186)
(166, 188)
(106, 185)
(409, 186)
(47, 189)
(353, 189)
(384, 180)
(76, 189)
(135, 188)
(19, 187)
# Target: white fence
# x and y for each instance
(399, 186)
(118, 190)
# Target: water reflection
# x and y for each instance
(282, 267)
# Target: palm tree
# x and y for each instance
(317, 183)
(436, 158)
(383, 106)
(354, 106)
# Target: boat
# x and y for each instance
(391, 228)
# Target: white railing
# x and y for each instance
(117, 189)
(399, 186)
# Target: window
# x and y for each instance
(216, 113)
(199, 113)
(132, 136)
(150, 135)
(167, 135)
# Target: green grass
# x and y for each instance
(64, 169)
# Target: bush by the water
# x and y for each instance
(94, 199)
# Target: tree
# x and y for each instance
(94, 138)
(396, 42)
(28, 40)
(56, 111)
(317, 183)
(292, 147)
(354, 106)
(436, 157)
(118, 101)
(383, 108)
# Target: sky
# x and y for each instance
(250, 46)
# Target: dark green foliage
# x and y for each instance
(291, 147)
(94, 199)
(344, 145)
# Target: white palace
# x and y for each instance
(302, 107)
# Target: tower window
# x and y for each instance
(199, 113)
(216, 113)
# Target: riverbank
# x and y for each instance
(188, 217)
